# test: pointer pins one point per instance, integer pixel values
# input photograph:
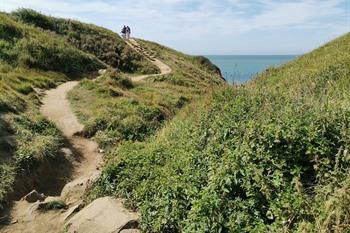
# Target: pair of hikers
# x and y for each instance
(126, 31)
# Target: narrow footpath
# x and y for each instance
(105, 214)
(164, 68)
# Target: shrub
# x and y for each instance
(93, 126)
(9, 30)
(47, 55)
(113, 78)
(34, 18)
(37, 140)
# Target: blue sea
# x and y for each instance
(241, 68)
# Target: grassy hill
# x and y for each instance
(30, 60)
(114, 109)
(191, 153)
(38, 52)
(270, 156)
(33, 59)
(189, 71)
(106, 45)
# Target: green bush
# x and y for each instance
(34, 18)
(93, 126)
(131, 124)
(115, 79)
(47, 55)
(9, 30)
(37, 140)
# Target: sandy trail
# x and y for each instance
(56, 108)
(82, 153)
(164, 68)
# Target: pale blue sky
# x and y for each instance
(211, 26)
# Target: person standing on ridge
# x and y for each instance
(128, 32)
(124, 32)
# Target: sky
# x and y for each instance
(207, 27)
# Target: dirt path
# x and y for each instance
(56, 108)
(81, 152)
(85, 159)
(164, 68)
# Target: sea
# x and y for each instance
(239, 69)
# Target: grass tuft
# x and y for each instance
(52, 205)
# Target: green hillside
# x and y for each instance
(271, 156)
(189, 71)
(30, 60)
(114, 109)
(38, 52)
(106, 45)
(188, 151)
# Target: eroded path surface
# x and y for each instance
(102, 215)
(164, 68)
(56, 108)
(81, 152)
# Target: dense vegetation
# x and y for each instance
(103, 43)
(114, 109)
(269, 156)
(23, 45)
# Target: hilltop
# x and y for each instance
(106, 45)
